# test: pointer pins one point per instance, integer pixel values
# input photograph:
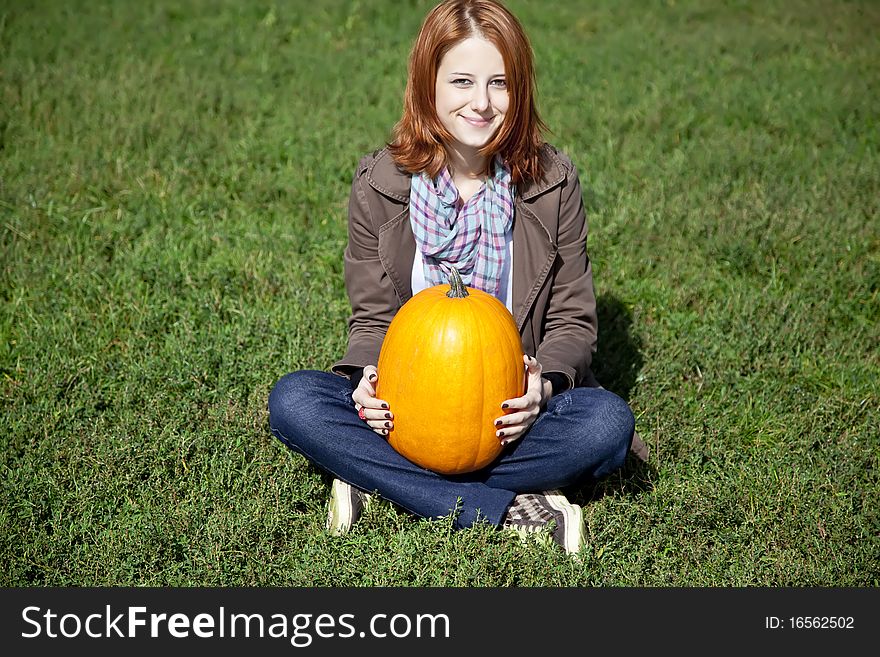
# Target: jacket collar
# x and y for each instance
(386, 177)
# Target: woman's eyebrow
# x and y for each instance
(494, 75)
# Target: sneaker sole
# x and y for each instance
(574, 520)
(339, 509)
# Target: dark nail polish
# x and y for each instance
(500, 433)
(372, 377)
(388, 415)
(497, 423)
(505, 406)
(387, 424)
(384, 405)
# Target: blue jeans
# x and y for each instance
(583, 433)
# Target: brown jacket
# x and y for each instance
(554, 303)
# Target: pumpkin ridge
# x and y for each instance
(487, 415)
(514, 341)
(413, 422)
(461, 320)
(473, 397)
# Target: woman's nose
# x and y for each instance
(480, 99)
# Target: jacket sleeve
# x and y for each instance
(370, 291)
(571, 323)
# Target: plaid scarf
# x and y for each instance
(468, 236)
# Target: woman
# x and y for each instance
(467, 182)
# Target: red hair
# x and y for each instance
(419, 137)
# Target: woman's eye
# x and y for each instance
(460, 82)
(501, 84)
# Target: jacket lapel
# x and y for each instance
(397, 245)
(397, 252)
(533, 247)
(533, 255)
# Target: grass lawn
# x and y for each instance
(173, 187)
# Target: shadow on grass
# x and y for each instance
(635, 478)
(618, 359)
(616, 365)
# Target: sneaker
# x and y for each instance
(347, 503)
(532, 513)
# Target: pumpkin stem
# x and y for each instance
(457, 290)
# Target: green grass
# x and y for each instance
(173, 183)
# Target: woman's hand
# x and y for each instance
(374, 412)
(513, 426)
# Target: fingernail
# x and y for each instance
(498, 423)
(372, 377)
(505, 443)
(505, 405)
(388, 415)
(388, 424)
(384, 405)
(500, 433)
(385, 431)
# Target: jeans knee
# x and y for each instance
(293, 395)
(620, 424)
(620, 416)
(609, 426)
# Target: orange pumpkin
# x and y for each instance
(450, 357)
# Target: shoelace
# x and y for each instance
(528, 525)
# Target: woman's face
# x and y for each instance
(471, 92)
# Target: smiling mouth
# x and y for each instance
(479, 123)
